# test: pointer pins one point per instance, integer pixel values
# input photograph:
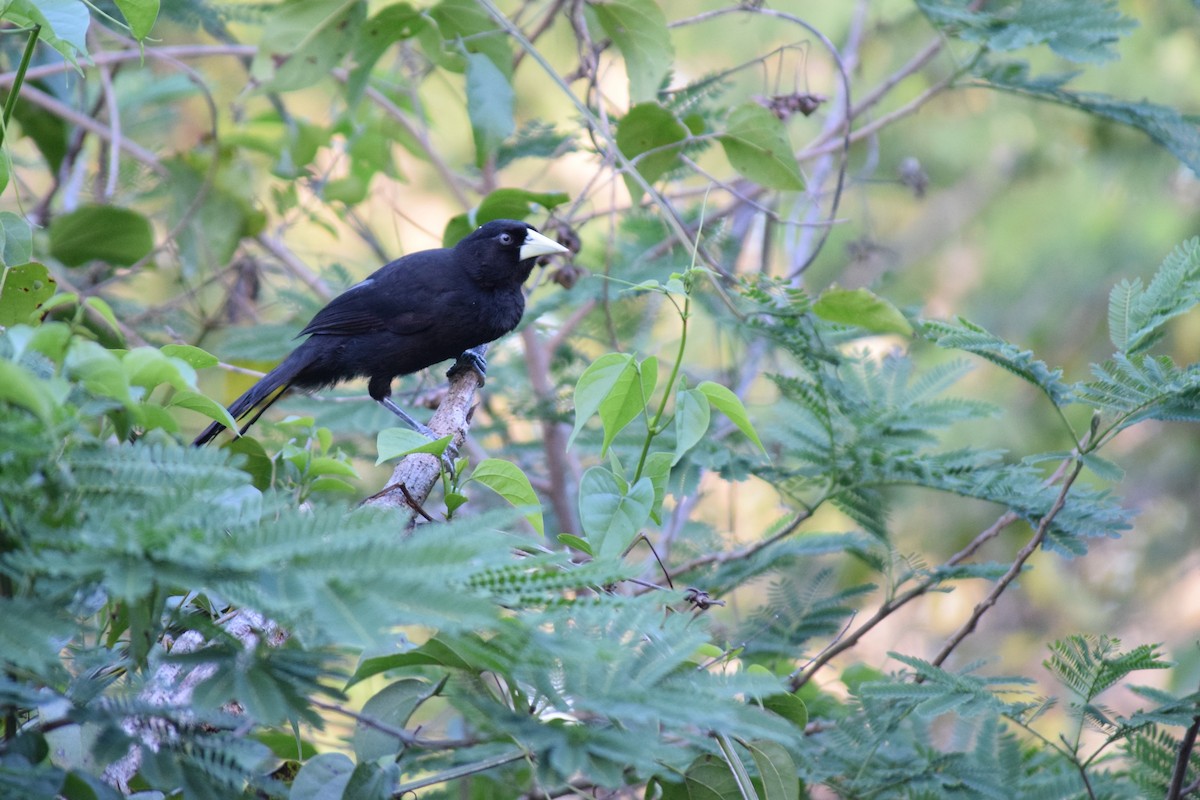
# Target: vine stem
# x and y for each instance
(10, 102)
(459, 772)
(652, 428)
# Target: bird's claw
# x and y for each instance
(470, 360)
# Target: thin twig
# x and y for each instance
(1182, 761)
(1014, 569)
(725, 556)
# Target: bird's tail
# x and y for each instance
(259, 397)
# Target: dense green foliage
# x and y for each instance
(600, 601)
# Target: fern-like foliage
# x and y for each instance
(1089, 665)
(1077, 30)
(801, 605)
(1152, 754)
(1137, 315)
(972, 338)
(1164, 125)
(1136, 385)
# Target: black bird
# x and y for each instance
(418, 310)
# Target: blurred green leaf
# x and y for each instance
(507, 480)
(582, 545)
(194, 401)
(192, 355)
(391, 706)
(464, 24)
(303, 40)
(490, 101)
(140, 14)
(322, 777)
(64, 23)
(111, 234)
(788, 706)
(500, 204)
(148, 367)
(21, 387)
(777, 771)
(639, 30)
(757, 146)
(691, 421)
(391, 24)
(863, 308)
(649, 127)
(17, 241)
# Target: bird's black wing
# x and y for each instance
(401, 298)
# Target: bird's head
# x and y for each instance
(503, 252)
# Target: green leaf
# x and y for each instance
(728, 404)
(64, 23)
(500, 204)
(194, 401)
(255, 462)
(327, 465)
(658, 469)
(594, 385)
(757, 146)
(115, 235)
(191, 355)
(392, 706)
(582, 545)
(710, 779)
(639, 30)
(463, 24)
(507, 480)
(490, 101)
(612, 514)
(692, 415)
(16, 241)
(647, 127)
(399, 442)
(788, 706)
(862, 308)
(140, 14)
(303, 40)
(100, 371)
(21, 387)
(322, 777)
(627, 398)
(23, 291)
(780, 780)
(148, 367)
(393, 23)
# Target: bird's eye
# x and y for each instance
(506, 238)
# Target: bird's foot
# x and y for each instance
(473, 360)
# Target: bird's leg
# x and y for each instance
(381, 392)
(473, 359)
(451, 451)
(404, 416)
